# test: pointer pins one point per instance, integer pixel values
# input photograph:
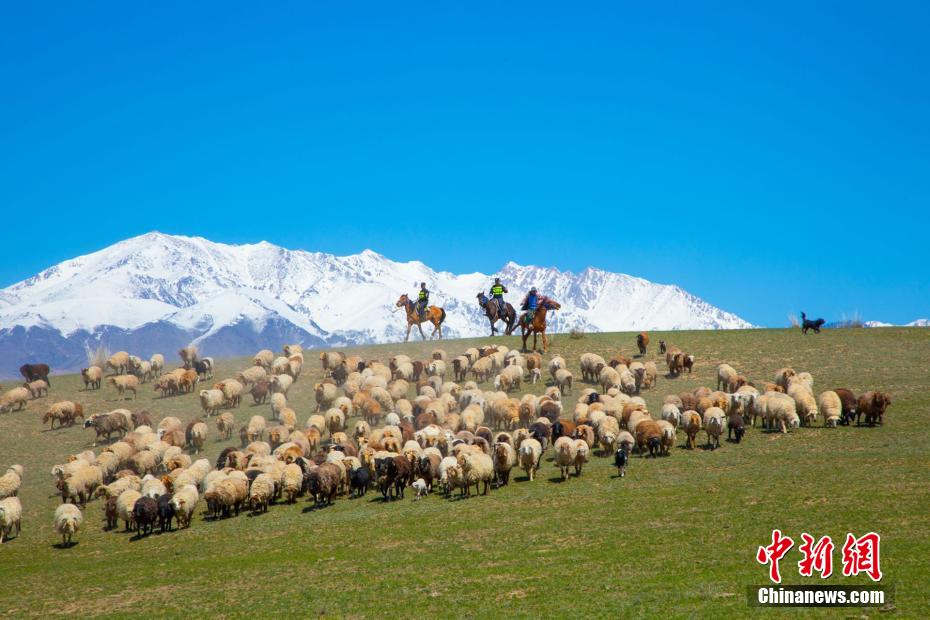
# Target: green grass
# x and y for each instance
(676, 537)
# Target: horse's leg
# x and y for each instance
(420, 327)
(525, 335)
(545, 343)
(407, 337)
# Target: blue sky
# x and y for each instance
(769, 158)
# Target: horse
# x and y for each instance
(434, 314)
(807, 324)
(538, 324)
(492, 311)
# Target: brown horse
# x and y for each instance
(538, 325)
(434, 314)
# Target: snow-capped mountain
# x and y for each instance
(158, 292)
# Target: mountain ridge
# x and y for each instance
(216, 294)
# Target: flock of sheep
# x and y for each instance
(451, 436)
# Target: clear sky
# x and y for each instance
(769, 158)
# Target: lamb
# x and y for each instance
(16, 396)
(530, 452)
(565, 454)
(256, 428)
(119, 362)
(11, 515)
(832, 408)
(477, 467)
(123, 384)
(736, 424)
(873, 405)
(68, 521)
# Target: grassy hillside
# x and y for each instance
(676, 537)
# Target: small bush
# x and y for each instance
(576, 334)
(97, 356)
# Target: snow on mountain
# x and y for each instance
(919, 323)
(178, 289)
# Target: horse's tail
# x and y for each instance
(442, 315)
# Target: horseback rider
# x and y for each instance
(497, 294)
(529, 304)
(422, 301)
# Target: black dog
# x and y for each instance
(807, 324)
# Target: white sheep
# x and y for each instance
(184, 502)
(530, 452)
(11, 515)
(68, 520)
(714, 425)
(563, 379)
(11, 481)
(256, 428)
(17, 396)
(831, 407)
(565, 453)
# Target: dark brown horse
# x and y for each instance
(434, 315)
(538, 324)
(492, 311)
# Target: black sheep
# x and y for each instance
(358, 480)
(145, 513)
(620, 460)
(165, 512)
(735, 425)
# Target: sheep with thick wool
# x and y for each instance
(325, 394)
(831, 407)
(565, 453)
(806, 405)
(478, 468)
(261, 493)
(67, 523)
(256, 428)
(185, 501)
(11, 515)
(530, 453)
(16, 397)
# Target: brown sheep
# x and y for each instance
(872, 404)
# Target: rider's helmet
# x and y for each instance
(497, 280)
(533, 290)
(422, 284)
